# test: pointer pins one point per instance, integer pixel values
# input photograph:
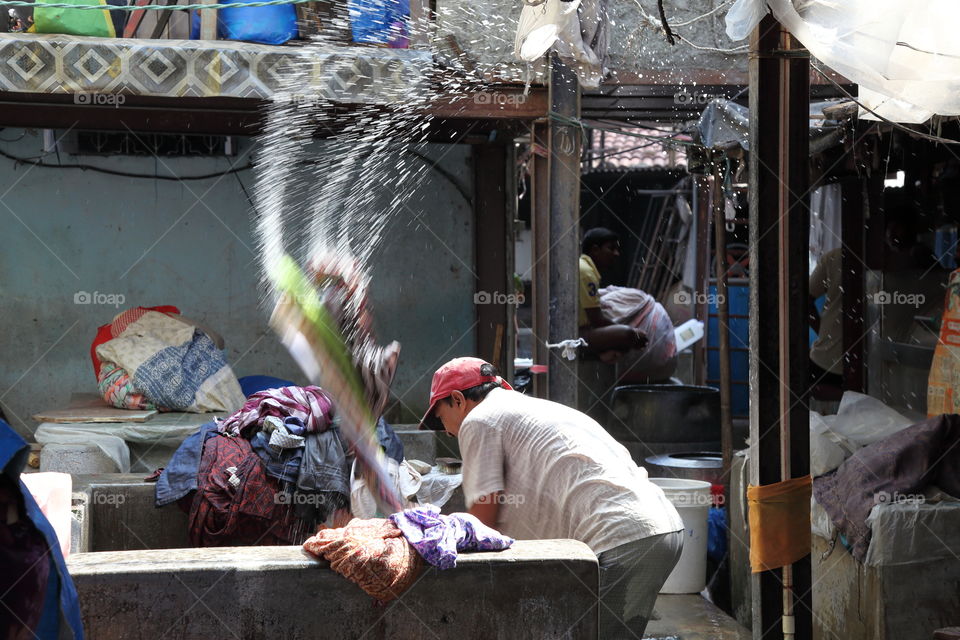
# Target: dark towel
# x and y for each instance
(907, 462)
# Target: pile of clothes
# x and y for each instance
(268, 474)
(384, 557)
(154, 358)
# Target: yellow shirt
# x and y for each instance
(589, 288)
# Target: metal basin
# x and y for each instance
(656, 413)
(696, 465)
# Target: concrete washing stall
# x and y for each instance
(138, 579)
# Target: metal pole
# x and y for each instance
(701, 199)
(723, 327)
(564, 179)
(540, 216)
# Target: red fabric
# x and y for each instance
(373, 553)
(117, 326)
(247, 514)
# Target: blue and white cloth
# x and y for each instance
(174, 364)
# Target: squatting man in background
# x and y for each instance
(601, 251)
(536, 469)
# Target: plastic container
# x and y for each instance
(688, 333)
(693, 501)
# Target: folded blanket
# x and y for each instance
(372, 553)
(905, 463)
(169, 361)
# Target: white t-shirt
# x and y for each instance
(562, 475)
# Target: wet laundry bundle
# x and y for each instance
(384, 557)
(153, 358)
(371, 553)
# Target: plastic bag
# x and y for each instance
(904, 50)
(364, 504)
(274, 24)
(658, 360)
(743, 17)
(75, 22)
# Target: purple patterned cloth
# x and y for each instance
(438, 538)
(311, 405)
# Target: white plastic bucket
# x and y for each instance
(692, 500)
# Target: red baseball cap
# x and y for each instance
(457, 375)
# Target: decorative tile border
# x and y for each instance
(53, 63)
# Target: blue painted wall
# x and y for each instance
(190, 244)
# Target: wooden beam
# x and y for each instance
(495, 103)
(493, 222)
(208, 22)
(564, 179)
(852, 259)
(779, 236)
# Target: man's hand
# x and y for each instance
(486, 509)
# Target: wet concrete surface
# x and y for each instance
(692, 617)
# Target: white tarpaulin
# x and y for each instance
(905, 55)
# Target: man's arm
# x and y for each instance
(487, 508)
(596, 318)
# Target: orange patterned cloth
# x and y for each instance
(372, 553)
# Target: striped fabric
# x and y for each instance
(309, 404)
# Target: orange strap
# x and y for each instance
(779, 517)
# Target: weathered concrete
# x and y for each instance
(116, 513)
(860, 602)
(190, 244)
(76, 459)
(537, 589)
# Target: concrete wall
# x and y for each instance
(190, 244)
(537, 589)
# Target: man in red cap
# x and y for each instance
(536, 469)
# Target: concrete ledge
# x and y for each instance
(537, 589)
